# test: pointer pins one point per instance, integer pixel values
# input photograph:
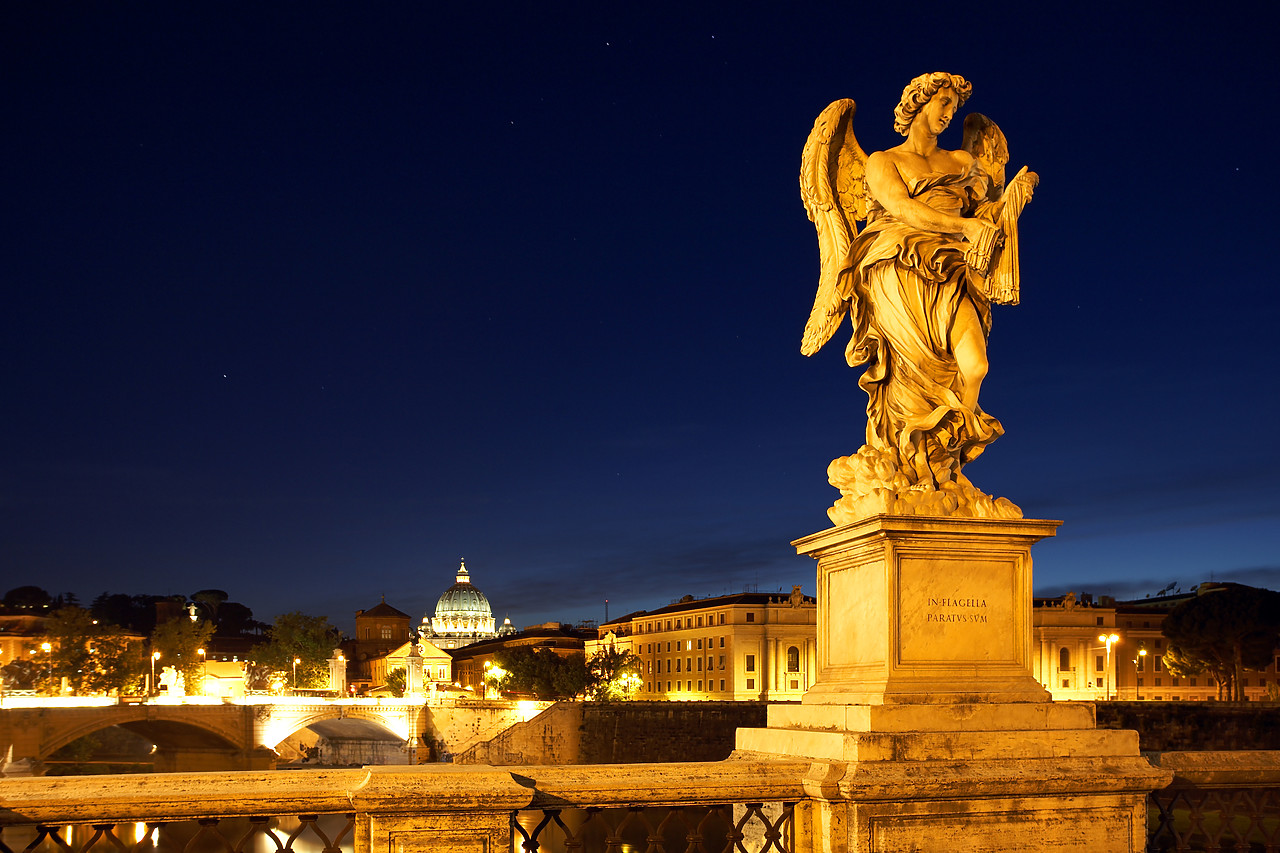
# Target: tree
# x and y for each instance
(1223, 630)
(396, 681)
(309, 639)
(542, 672)
(612, 674)
(133, 612)
(236, 620)
(20, 674)
(94, 658)
(209, 601)
(178, 641)
(27, 598)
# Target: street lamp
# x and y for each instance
(203, 670)
(296, 661)
(1109, 640)
(48, 661)
(155, 656)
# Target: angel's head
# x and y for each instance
(921, 90)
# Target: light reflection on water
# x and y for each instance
(188, 836)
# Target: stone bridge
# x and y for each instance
(190, 737)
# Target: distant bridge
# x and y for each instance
(190, 737)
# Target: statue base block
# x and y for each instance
(926, 729)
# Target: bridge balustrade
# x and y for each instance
(1218, 801)
(746, 805)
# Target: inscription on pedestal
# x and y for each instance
(956, 611)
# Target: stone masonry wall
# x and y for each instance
(642, 732)
(620, 733)
(1195, 727)
(552, 737)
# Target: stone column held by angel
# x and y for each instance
(939, 245)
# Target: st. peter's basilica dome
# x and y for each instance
(462, 616)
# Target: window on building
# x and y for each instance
(668, 686)
(1159, 644)
(1098, 663)
(751, 684)
(688, 664)
(668, 647)
(722, 622)
(1157, 685)
(699, 642)
(1140, 682)
(751, 663)
(751, 617)
(709, 664)
(699, 664)
(722, 661)
(722, 684)
(793, 659)
(722, 642)
(1140, 663)
(1100, 620)
(1066, 682)
(699, 625)
(386, 632)
(699, 685)
(1193, 682)
(1158, 663)
(795, 685)
(677, 624)
(678, 647)
(677, 664)
(668, 624)
(1064, 659)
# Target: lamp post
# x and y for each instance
(296, 661)
(1138, 666)
(1109, 640)
(203, 670)
(151, 691)
(47, 648)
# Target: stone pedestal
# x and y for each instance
(926, 728)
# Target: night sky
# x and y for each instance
(306, 301)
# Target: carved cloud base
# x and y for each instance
(872, 483)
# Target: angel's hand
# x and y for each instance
(1029, 181)
(974, 229)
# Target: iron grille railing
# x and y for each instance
(301, 834)
(746, 828)
(1208, 820)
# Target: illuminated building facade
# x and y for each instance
(379, 630)
(1072, 661)
(748, 646)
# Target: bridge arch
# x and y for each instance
(401, 722)
(162, 729)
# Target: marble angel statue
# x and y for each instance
(940, 244)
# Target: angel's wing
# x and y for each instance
(833, 185)
(985, 141)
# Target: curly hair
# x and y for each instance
(920, 90)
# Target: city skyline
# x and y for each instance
(308, 305)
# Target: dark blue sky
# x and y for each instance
(305, 301)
